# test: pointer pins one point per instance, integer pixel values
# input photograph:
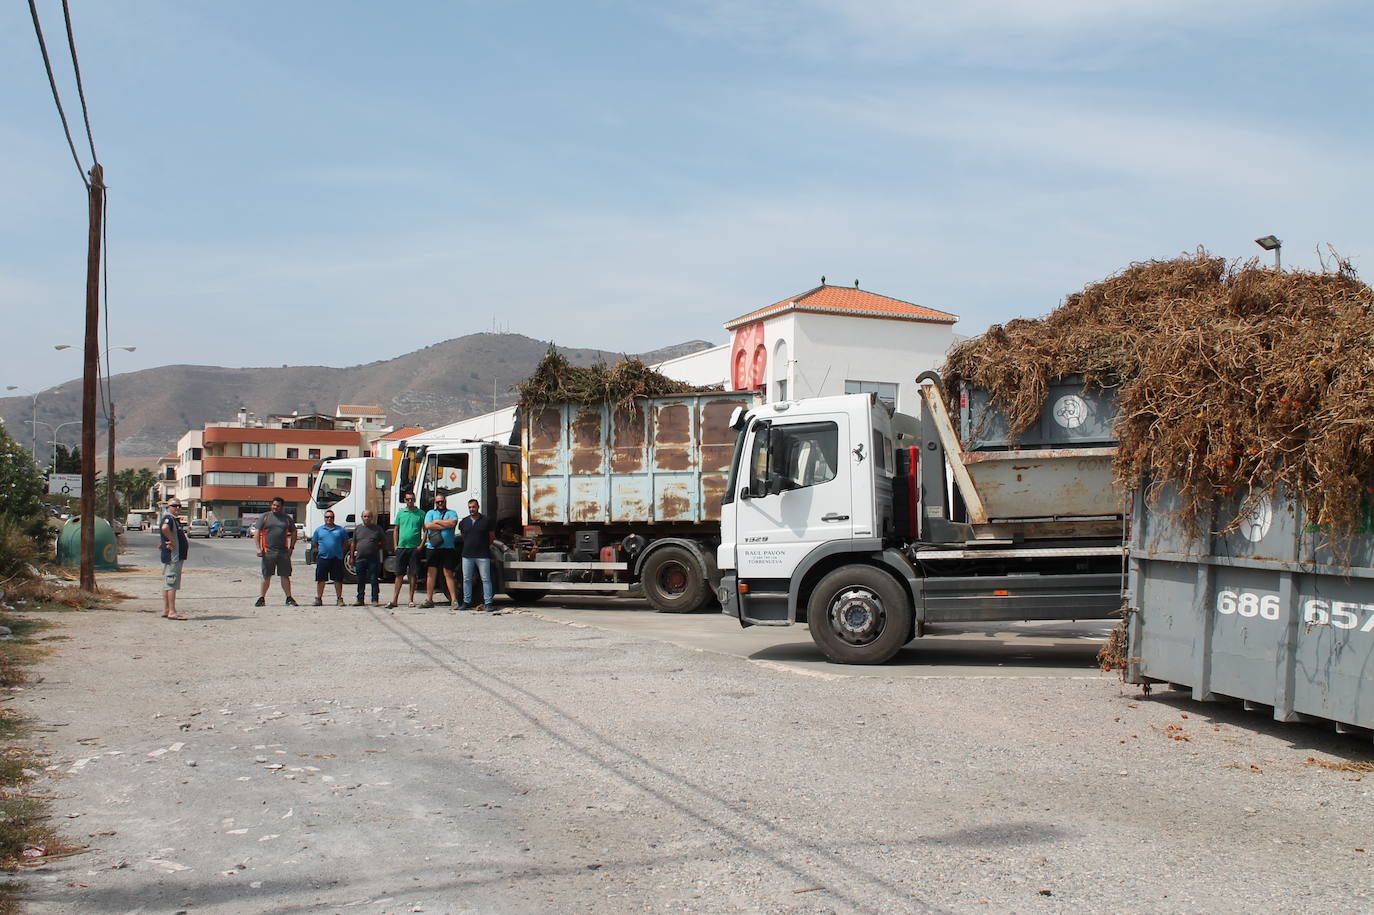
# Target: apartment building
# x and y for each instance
(234, 469)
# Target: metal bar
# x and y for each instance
(1237, 562)
(982, 457)
(954, 452)
(583, 566)
(1029, 553)
(569, 585)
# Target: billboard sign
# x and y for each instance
(65, 484)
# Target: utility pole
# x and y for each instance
(88, 377)
(109, 469)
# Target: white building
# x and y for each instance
(826, 340)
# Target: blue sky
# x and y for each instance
(333, 183)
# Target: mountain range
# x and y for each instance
(441, 383)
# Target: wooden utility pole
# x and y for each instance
(88, 378)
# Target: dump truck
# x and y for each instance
(868, 525)
(595, 499)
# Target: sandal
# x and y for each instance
(166, 617)
(391, 606)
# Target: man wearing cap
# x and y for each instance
(173, 549)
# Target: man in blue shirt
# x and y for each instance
(330, 545)
(441, 548)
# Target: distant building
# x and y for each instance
(234, 469)
(382, 445)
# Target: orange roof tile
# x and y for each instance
(846, 300)
(398, 434)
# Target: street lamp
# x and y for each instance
(109, 465)
(15, 387)
(74, 422)
(1271, 243)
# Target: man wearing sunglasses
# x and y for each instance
(407, 533)
(441, 548)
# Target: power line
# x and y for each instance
(76, 68)
(52, 83)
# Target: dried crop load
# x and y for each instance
(1232, 378)
(556, 380)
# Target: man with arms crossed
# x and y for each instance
(276, 543)
(366, 545)
(409, 532)
(444, 554)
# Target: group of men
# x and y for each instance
(438, 537)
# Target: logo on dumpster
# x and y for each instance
(1255, 518)
(1070, 411)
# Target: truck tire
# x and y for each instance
(859, 615)
(673, 582)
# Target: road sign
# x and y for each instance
(65, 484)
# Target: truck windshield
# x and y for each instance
(333, 486)
(735, 459)
(445, 475)
(793, 457)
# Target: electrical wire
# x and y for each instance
(76, 68)
(57, 99)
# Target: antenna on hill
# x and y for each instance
(856, 284)
(822, 279)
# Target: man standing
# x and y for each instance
(476, 532)
(330, 543)
(408, 531)
(441, 548)
(366, 549)
(276, 542)
(174, 548)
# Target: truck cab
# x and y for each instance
(461, 470)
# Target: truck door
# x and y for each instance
(795, 495)
(445, 473)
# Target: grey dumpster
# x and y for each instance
(1265, 614)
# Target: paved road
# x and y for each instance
(579, 760)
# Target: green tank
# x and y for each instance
(106, 549)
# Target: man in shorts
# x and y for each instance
(409, 534)
(331, 542)
(276, 542)
(442, 522)
(174, 547)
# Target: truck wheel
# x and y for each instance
(673, 582)
(859, 615)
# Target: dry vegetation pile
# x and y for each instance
(1231, 378)
(556, 380)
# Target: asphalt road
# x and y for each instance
(590, 760)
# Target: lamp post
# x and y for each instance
(34, 427)
(74, 422)
(110, 435)
(1271, 243)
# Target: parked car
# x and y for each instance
(198, 527)
(214, 528)
(230, 527)
(134, 522)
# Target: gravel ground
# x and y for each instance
(332, 759)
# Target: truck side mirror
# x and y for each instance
(744, 493)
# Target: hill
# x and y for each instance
(441, 383)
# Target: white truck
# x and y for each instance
(839, 513)
(347, 486)
(596, 499)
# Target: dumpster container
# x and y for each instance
(106, 548)
(1266, 613)
(1073, 417)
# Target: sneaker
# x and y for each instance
(317, 603)
(339, 602)
(463, 607)
(358, 603)
(375, 603)
(291, 602)
(427, 604)
(260, 602)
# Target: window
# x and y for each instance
(314, 454)
(293, 454)
(341, 452)
(510, 474)
(259, 449)
(445, 474)
(191, 454)
(793, 457)
(228, 478)
(194, 480)
(334, 485)
(293, 482)
(886, 390)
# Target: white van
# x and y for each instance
(134, 522)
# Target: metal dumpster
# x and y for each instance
(1265, 614)
(1073, 417)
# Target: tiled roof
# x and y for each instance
(359, 409)
(399, 434)
(846, 300)
(170, 457)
